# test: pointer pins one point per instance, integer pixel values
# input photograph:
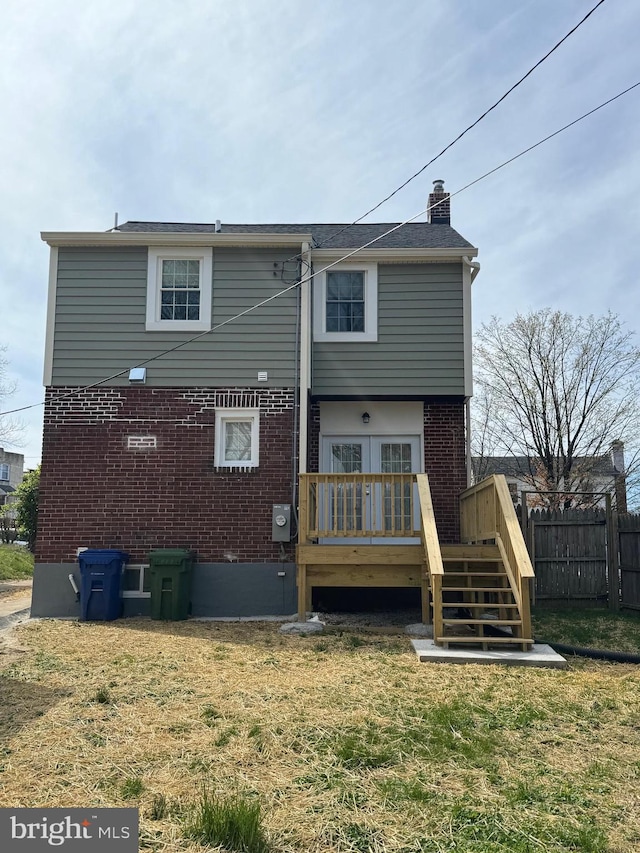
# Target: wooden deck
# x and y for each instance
(467, 589)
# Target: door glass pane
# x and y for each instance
(346, 503)
(346, 458)
(395, 458)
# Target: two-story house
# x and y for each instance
(592, 477)
(11, 474)
(197, 375)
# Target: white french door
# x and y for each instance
(353, 504)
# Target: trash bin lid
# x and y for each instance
(170, 556)
(100, 556)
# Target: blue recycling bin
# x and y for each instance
(101, 584)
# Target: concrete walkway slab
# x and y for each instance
(14, 604)
(540, 655)
(14, 608)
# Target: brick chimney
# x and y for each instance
(441, 214)
(617, 460)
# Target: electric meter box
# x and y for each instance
(281, 523)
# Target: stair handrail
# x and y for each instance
(487, 512)
(433, 554)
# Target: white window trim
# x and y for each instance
(223, 416)
(154, 280)
(140, 592)
(4, 465)
(370, 305)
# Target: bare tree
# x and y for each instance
(11, 428)
(558, 391)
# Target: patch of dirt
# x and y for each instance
(15, 592)
(10, 647)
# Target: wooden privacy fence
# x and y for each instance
(569, 550)
(629, 539)
(584, 557)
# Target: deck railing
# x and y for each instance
(433, 555)
(352, 506)
(487, 513)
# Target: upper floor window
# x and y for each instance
(179, 289)
(346, 303)
(4, 471)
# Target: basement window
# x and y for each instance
(179, 289)
(136, 582)
(237, 438)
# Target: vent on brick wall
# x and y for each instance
(237, 400)
(142, 442)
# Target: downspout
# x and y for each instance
(474, 265)
(470, 271)
(296, 409)
(305, 358)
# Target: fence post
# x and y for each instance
(613, 574)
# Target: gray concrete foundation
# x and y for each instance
(230, 590)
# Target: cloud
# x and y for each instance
(299, 111)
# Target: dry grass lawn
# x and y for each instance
(349, 742)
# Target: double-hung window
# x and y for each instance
(179, 289)
(4, 471)
(237, 438)
(346, 303)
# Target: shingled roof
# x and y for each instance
(414, 235)
(524, 466)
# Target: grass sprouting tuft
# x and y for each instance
(233, 822)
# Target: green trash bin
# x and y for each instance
(170, 570)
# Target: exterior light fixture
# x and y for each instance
(366, 417)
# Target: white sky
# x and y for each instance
(297, 111)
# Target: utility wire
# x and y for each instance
(467, 129)
(312, 275)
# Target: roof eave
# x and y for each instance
(169, 238)
(399, 254)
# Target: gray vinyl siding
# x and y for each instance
(420, 346)
(101, 310)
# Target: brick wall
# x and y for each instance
(444, 462)
(99, 490)
(313, 439)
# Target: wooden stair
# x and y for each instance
(476, 598)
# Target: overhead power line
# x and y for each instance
(350, 254)
(467, 129)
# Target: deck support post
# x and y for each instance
(302, 592)
(425, 597)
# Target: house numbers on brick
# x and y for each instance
(142, 442)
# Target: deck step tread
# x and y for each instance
(476, 589)
(461, 558)
(464, 574)
(489, 606)
(490, 640)
(482, 621)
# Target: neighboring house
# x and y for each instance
(363, 374)
(11, 473)
(599, 474)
